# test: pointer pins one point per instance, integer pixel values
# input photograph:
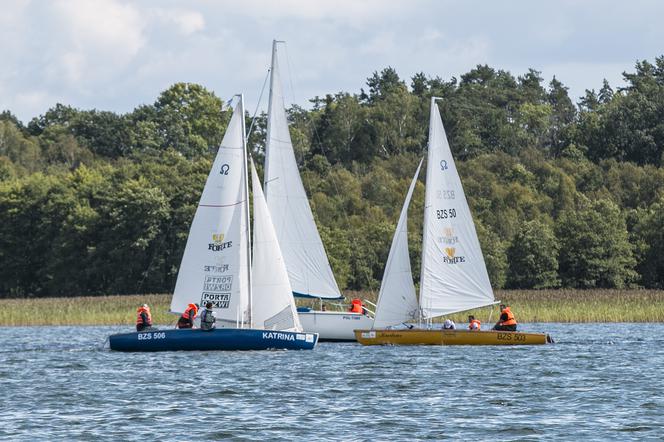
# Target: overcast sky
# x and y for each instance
(115, 54)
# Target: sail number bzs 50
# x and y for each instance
(445, 213)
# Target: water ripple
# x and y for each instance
(599, 382)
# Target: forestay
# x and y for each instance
(214, 266)
(397, 302)
(454, 276)
(273, 306)
(307, 264)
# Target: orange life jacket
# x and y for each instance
(191, 312)
(139, 319)
(356, 306)
(474, 321)
(510, 317)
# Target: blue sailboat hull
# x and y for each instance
(218, 339)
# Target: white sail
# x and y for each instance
(308, 267)
(215, 262)
(454, 276)
(273, 306)
(397, 302)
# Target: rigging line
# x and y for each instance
(325, 153)
(260, 97)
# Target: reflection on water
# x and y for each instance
(598, 382)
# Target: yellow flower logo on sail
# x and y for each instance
(218, 244)
(451, 257)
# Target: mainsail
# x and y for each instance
(215, 263)
(454, 277)
(308, 268)
(397, 302)
(273, 306)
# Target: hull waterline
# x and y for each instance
(228, 339)
(449, 337)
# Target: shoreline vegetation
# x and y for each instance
(564, 193)
(564, 305)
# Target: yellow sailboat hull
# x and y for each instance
(449, 337)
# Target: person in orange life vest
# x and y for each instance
(356, 306)
(144, 319)
(187, 318)
(474, 324)
(507, 321)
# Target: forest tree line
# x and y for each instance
(563, 194)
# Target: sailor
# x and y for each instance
(474, 324)
(208, 318)
(187, 318)
(143, 318)
(507, 322)
(449, 325)
(356, 306)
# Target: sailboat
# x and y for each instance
(252, 298)
(308, 268)
(453, 276)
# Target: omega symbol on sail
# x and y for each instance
(224, 169)
(443, 165)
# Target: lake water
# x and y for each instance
(598, 382)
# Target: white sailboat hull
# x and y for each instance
(334, 326)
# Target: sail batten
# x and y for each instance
(308, 268)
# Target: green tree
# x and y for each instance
(495, 256)
(594, 247)
(186, 117)
(562, 117)
(650, 235)
(21, 150)
(533, 257)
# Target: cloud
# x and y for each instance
(117, 54)
(102, 24)
(94, 38)
(350, 12)
(187, 22)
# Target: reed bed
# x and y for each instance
(564, 305)
(528, 306)
(84, 310)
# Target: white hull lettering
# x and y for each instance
(279, 336)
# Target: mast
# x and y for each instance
(246, 205)
(269, 120)
(427, 193)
